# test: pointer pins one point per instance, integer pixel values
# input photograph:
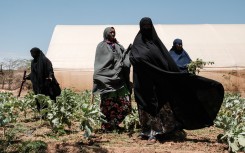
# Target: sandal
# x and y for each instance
(152, 140)
(143, 136)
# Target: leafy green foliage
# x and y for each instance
(70, 107)
(7, 108)
(61, 112)
(131, 121)
(28, 102)
(231, 119)
(196, 65)
(33, 147)
(90, 114)
(11, 133)
(11, 136)
(8, 114)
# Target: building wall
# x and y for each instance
(74, 46)
(76, 80)
(232, 80)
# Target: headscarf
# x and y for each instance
(177, 41)
(194, 100)
(109, 64)
(181, 57)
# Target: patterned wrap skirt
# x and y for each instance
(115, 106)
(163, 123)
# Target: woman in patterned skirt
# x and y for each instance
(111, 80)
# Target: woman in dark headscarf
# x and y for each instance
(180, 56)
(167, 99)
(111, 80)
(42, 76)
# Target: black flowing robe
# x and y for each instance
(41, 69)
(195, 100)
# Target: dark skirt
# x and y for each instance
(163, 122)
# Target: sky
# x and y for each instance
(25, 24)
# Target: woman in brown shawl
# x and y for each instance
(167, 99)
(111, 80)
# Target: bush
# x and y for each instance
(231, 119)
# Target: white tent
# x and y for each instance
(72, 48)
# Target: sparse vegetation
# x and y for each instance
(195, 66)
(231, 119)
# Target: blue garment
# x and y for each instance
(181, 58)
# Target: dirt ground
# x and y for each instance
(196, 141)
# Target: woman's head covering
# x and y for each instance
(146, 28)
(107, 35)
(35, 52)
(177, 41)
(177, 46)
(35, 49)
(141, 49)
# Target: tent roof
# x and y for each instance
(73, 46)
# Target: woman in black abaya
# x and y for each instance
(42, 76)
(167, 99)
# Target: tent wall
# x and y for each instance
(72, 50)
(232, 80)
(76, 80)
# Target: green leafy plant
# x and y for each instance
(61, 112)
(90, 114)
(44, 102)
(33, 147)
(131, 121)
(7, 108)
(28, 102)
(11, 133)
(11, 138)
(70, 107)
(8, 115)
(195, 66)
(231, 119)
